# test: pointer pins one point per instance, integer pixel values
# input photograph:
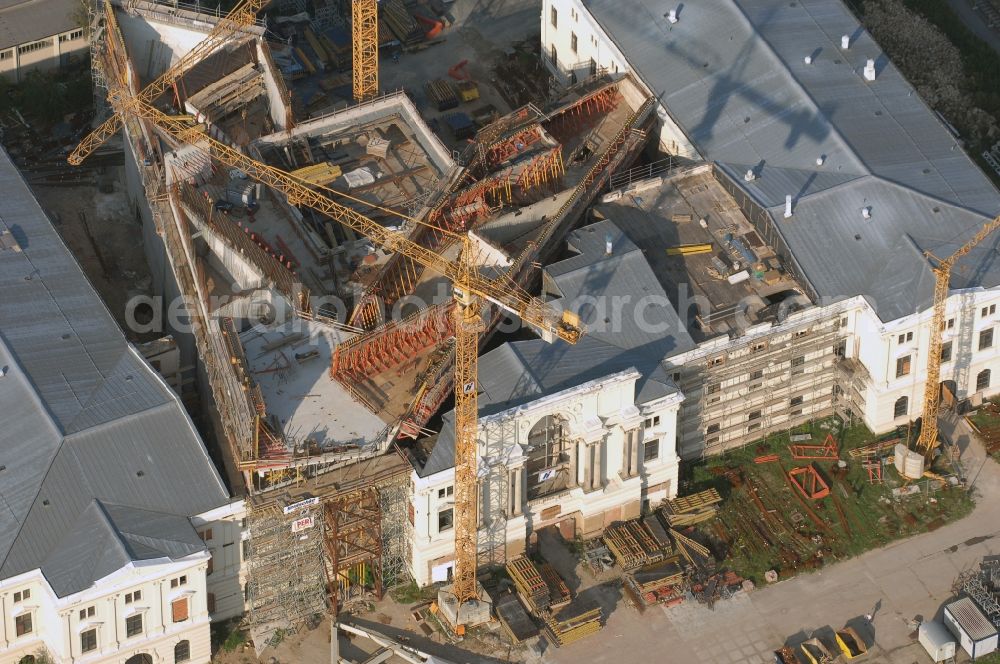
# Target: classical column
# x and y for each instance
(597, 467)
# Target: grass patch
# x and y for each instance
(227, 636)
(410, 593)
(986, 420)
(764, 525)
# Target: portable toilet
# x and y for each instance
(936, 640)
(973, 630)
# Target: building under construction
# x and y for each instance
(720, 306)
(319, 348)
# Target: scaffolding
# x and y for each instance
(96, 27)
(761, 385)
(498, 436)
(285, 571)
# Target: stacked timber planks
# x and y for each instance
(559, 595)
(442, 94)
(401, 22)
(692, 509)
(573, 623)
(658, 532)
(530, 584)
(632, 545)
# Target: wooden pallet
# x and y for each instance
(563, 630)
(695, 502)
(559, 595)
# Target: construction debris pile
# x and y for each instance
(545, 595)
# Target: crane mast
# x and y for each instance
(364, 45)
(927, 442)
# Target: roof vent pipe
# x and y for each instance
(808, 59)
(672, 16)
(866, 212)
(609, 244)
(820, 159)
(788, 206)
(870, 70)
(845, 42)
(750, 176)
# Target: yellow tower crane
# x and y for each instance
(471, 290)
(927, 442)
(364, 44)
(241, 17)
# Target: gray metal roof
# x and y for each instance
(732, 74)
(85, 417)
(23, 21)
(971, 619)
(520, 372)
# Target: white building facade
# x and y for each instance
(578, 460)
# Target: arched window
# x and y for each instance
(27, 659)
(901, 407)
(141, 658)
(182, 651)
(982, 380)
(547, 466)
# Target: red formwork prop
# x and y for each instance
(811, 483)
(827, 451)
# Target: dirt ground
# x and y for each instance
(104, 235)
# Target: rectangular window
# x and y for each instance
(795, 401)
(713, 428)
(211, 567)
(798, 364)
(800, 334)
(712, 441)
(554, 56)
(87, 613)
(989, 311)
(210, 602)
(21, 595)
(652, 422)
(133, 625)
(554, 17)
(6, 55)
(754, 415)
(447, 491)
(757, 375)
(446, 520)
(179, 610)
(903, 366)
(651, 451)
(951, 323)
(22, 624)
(986, 339)
(982, 380)
(88, 640)
(753, 427)
(946, 352)
(716, 361)
(713, 388)
(593, 67)
(34, 46)
(903, 338)
(572, 41)
(206, 534)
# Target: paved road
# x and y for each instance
(911, 578)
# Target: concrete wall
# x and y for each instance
(227, 580)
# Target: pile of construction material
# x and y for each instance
(573, 623)
(539, 586)
(662, 583)
(633, 545)
(514, 619)
(689, 510)
(709, 589)
(401, 22)
(442, 94)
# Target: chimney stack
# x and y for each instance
(866, 212)
(788, 206)
(870, 70)
(808, 59)
(609, 244)
(750, 176)
(845, 42)
(672, 16)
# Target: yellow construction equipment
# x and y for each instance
(242, 16)
(364, 42)
(470, 289)
(927, 442)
